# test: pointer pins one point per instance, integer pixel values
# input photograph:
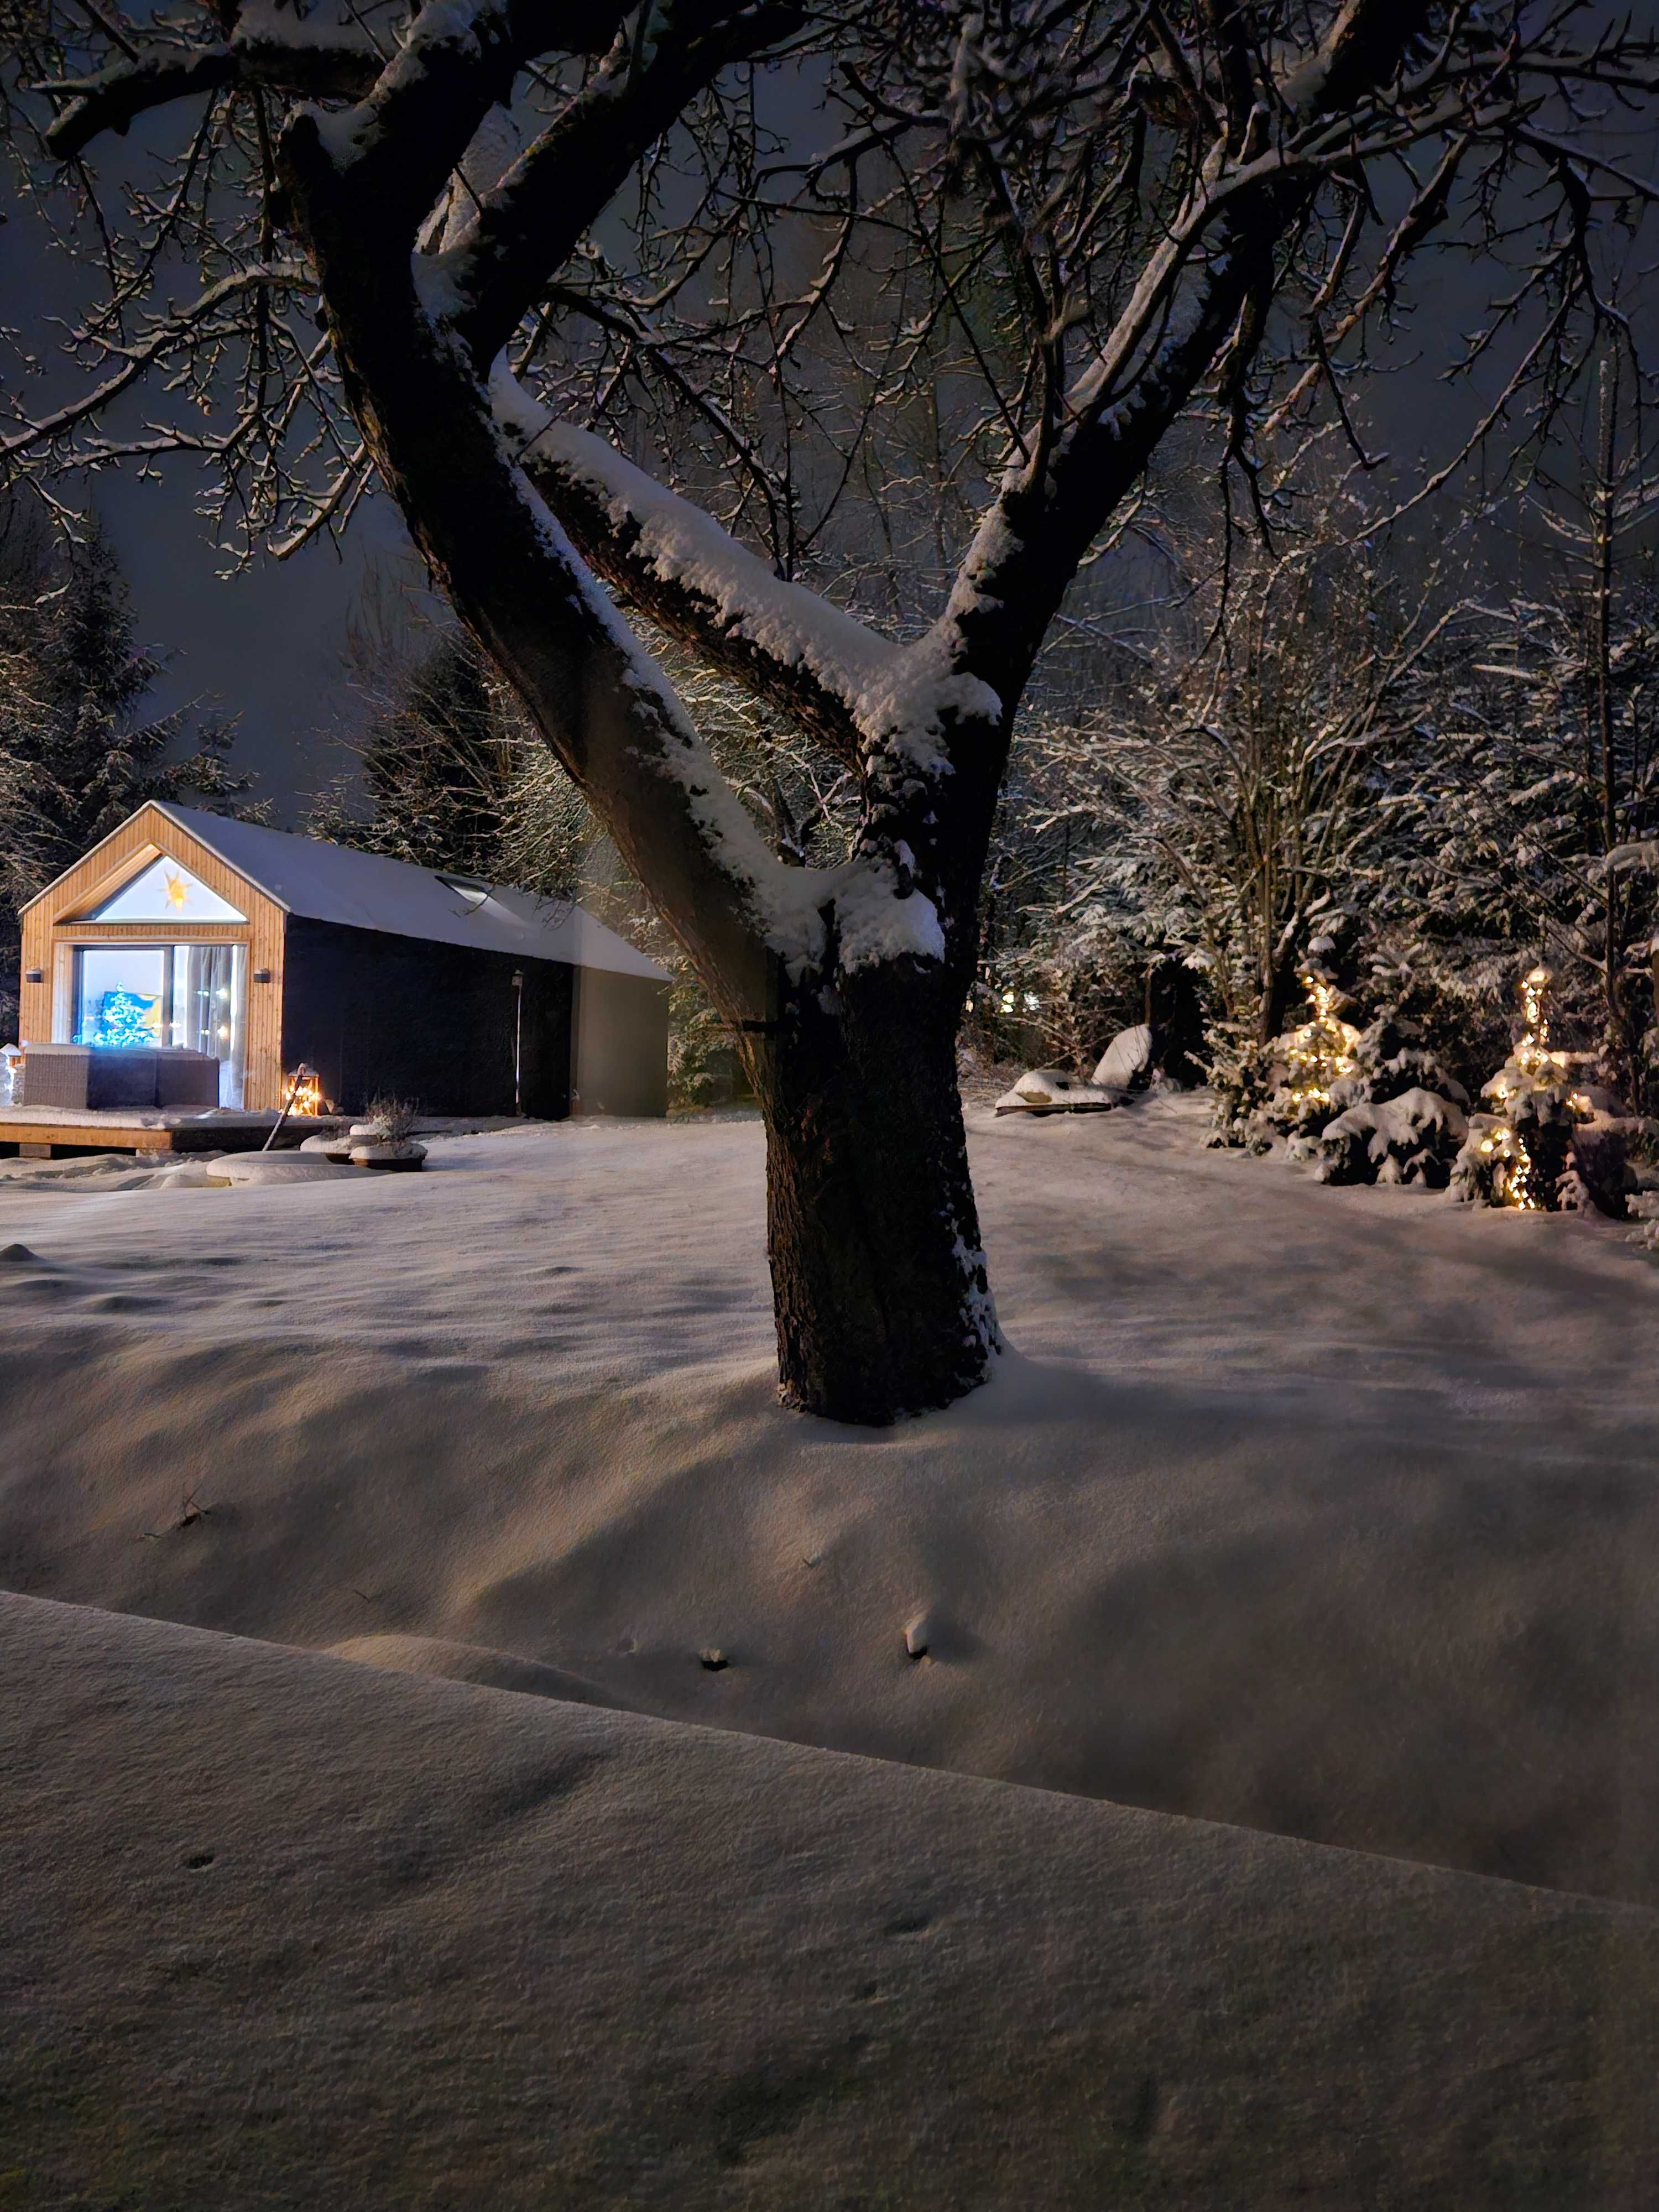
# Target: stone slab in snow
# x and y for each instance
(285, 1932)
(1057, 1090)
(277, 1170)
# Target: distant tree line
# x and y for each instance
(80, 744)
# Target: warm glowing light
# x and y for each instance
(1533, 1055)
(177, 889)
(1535, 1066)
(1321, 1051)
(306, 1093)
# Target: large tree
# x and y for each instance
(1117, 211)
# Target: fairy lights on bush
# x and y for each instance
(1321, 1052)
(1527, 1152)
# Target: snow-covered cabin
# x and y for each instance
(184, 929)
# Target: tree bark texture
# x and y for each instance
(878, 1279)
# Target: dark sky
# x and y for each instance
(265, 644)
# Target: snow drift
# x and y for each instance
(1285, 1489)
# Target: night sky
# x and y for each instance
(264, 645)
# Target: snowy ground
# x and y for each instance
(277, 1932)
(1325, 1512)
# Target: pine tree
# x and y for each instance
(77, 751)
(436, 764)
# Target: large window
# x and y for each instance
(189, 995)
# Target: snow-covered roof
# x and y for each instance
(362, 890)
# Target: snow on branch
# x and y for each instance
(269, 48)
(727, 592)
(527, 223)
(869, 909)
(868, 699)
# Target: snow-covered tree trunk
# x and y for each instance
(878, 1280)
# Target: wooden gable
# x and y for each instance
(56, 923)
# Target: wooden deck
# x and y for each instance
(42, 1132)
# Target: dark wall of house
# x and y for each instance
(401, 1018)
(621, 1056)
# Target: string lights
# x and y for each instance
(1321, 1052)
(1528, 1093)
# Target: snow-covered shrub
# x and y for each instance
(1548, 1145)
(1599, 1177)
(392, 1119)
(1412, 1138)
(1243, 1078)
(1389, 1059)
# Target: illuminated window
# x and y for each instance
(121, 994)
(161, 996)
(166, 891)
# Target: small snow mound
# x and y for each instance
(329, 1147)
(1126, 1063)
(276, 1169)
(471, 1662)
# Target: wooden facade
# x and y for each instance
(454, 1028)
(54, 930)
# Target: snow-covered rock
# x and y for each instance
(273, 1170)
(1126, 1063)
(394, 1152)
(335, 1146)
(1055, 1091)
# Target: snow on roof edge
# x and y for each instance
(318, 881)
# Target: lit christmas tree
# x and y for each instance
(1531, 1151)
(1320, 1053)
(124, 1018)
